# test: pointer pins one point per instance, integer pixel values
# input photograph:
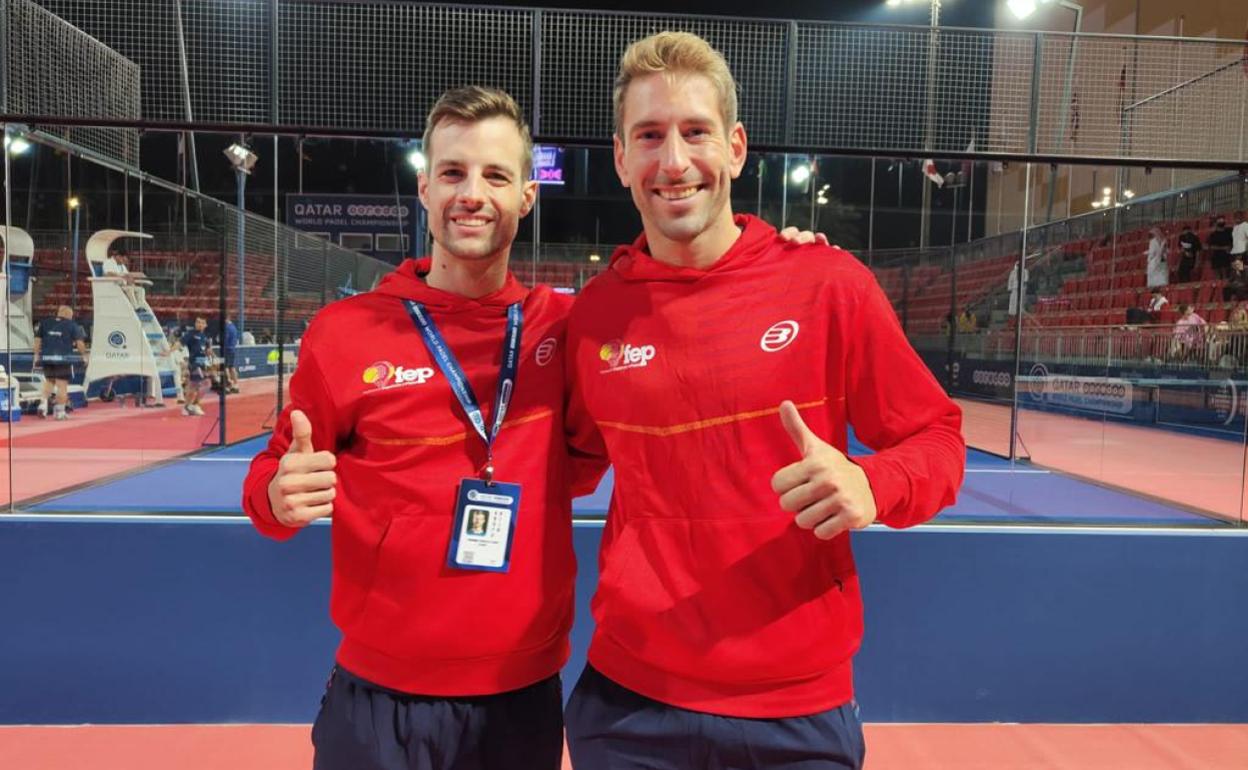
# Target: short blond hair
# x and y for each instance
(678, 53)
(473, 104)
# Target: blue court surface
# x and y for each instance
(994, 492)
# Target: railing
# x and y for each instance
(1171, 346)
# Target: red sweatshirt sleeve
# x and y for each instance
(897, 408)
(587, 454)
(309, 393)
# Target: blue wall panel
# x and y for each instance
(141, 621)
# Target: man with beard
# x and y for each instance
(449, 371)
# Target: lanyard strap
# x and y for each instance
(449, 365)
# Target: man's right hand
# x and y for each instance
(305, 485)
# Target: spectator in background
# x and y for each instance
(229, 347)
(1236, 288)
(1239, 318)
(968, 323)
(1239, 238)
(1189, 250)
(114, 265)
(248, 338)
(1158, 269)
(1156, 303)
(1220, 243)
(177, 356)
(1188, 332)
(56, 339)
(1017, 288)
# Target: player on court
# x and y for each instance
(198, 348)
(56, 341)
(723, 373)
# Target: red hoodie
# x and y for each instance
(710, 597)
(408, 621)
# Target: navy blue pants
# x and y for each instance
(362, 726)
(612, 727)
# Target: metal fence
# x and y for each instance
(54, 69)
(375, 66)
(1166, 345)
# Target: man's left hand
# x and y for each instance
(794, 237)
(827, 491)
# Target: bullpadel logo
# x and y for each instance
(618, 356)
(384, 375)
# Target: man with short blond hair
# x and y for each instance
(722, 372)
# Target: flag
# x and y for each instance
(929, 171)
(968, 163)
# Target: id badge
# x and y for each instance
(485, 522)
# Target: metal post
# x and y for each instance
(536, 38)
(970, 204)
(1018, 318)
(871, 212)
(73, 292)
(758, 206)
(537, 234)
(813, 180)
(184, 70)
(1066, 98)
(4, 82)
(242, 248)
(933, 44)
(222, 307)
(784, 194)
(790, 78)
(8, 219)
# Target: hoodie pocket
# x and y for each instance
(731, 600)
(418, 607)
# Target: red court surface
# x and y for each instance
(1206, 474)
(107, 439)
(890, 747)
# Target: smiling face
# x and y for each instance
(475, 189)
(678, 160)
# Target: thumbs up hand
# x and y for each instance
(304, 487)
(828, 493)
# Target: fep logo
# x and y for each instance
(384, 375)
(117, 339)
(619, 356)
(779, 336)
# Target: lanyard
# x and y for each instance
(450, 367)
